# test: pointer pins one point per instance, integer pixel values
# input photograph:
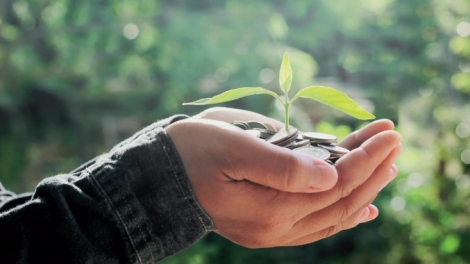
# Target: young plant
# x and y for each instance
(328, 96)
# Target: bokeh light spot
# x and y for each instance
(221, 74)
(9, 32)
(465, 156)
(277, 26)
(415, 179)
(450, 244)
(462, 130)
(462, 182)
(463, 29)
(266, 75)
(131, 31)
(464, 66)
(446, 19)
(398, 203)
(240, 48)
(429, 33)
(426, 91)
(402, 186)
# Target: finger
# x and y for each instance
(356, 138)
(331, 230)
(343, 209)
(281, 168)
(393, 174)
(364, 215)
(373, 213)
(355, 168)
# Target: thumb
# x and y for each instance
(284, 169)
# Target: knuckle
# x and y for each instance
(293, 170)
(345, 211)
(367, 153)
(346, 190)
(343, 189)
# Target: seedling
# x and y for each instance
(328, 96)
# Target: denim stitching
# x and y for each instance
(207, 230)
(174, 173)
(120, 217)
(135, 219)
(171, 164)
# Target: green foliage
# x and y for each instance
(77, 77)
(233, 95)
(334, 98)
(328, 96)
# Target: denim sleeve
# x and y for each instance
(134, 204)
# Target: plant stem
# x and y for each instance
(286, 106)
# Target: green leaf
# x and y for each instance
(285, 75)
(233, 95)
(334, 98)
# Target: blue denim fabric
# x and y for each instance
(134, 204)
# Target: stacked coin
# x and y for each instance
(320, 145)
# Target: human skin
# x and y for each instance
(261, 195)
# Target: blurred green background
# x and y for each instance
(77, 77)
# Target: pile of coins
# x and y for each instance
(320, 145)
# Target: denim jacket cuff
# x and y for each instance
(144, 181)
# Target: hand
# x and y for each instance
(261, 195)
(353, 141)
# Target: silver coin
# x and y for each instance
(290, 145)
(256, 124)
(324, 142)
(267, 131)
(316, 152)
(240, 124)
(335, 155)
(319, 136)
(333, 161)
(283, 135)
(328, 144)
(264, 133)
(316, 144)
(298, 144)
(269, 126)
(302, 143)
(286, 142)
(335, 149)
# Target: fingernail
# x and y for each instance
(363, 215)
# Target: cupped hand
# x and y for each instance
(261, 195)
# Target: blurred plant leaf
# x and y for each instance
(334, 98)
(233, 95)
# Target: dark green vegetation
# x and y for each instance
(77, 77)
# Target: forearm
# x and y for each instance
(132, 205)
